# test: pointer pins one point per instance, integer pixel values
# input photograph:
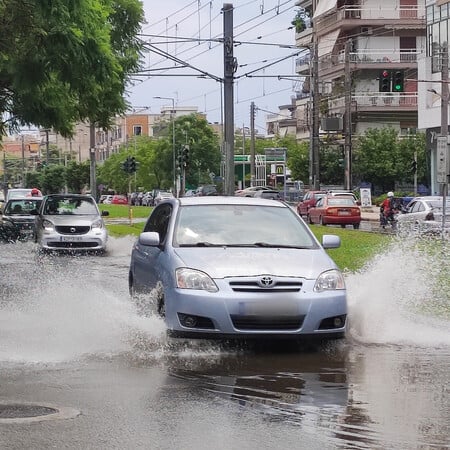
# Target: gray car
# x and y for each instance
(70, 222)
(237, 267)
(423, 215)
(22, 213)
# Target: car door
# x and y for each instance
(315, 211)
(149, 262)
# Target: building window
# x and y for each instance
(137, 130)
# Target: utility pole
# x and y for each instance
(444, 126)
(228, 93)
(314, 142)
(252, 144)
(93, 179)
(348, 118)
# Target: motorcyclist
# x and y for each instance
(388, 210)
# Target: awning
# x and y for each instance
(326, 43)
(324, 6)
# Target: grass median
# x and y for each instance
(357, 247)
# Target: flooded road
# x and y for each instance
(69, 337)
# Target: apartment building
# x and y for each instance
(433, 107)
(355, 41)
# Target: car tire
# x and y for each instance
(356, 226)
(321, 222)
(160, 302)
(308, 219)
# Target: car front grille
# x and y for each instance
(69, 245)
(257, 286)
(254, 322)
(72, 230)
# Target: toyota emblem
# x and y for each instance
(266, 281)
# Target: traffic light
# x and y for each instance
(398, 81)
(133, 165)
(126, 165)
(185, 155)
(413, 166)
(385, 81)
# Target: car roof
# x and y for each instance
(69, 195)
(228, 200)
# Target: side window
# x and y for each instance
(319, 202)
(159, 221)
(415, 207)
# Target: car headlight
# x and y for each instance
(97, 224)
(194, 279)
(46, 224)
(329, 281)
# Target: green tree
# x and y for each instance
(62, 62)
(204, 151)
(52, 179)
(77, 175)
(376, 158)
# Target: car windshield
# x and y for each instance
(341, 201)
(240, 225)
(70, 205)
(22, 207)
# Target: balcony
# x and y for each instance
(388, 17)
(375, 102)
(302, 64)
(369, 59)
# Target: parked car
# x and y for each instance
(147, 199)
(162, 195)
(423, 215)
(206, 190)
(309, 200)
(22, 213)
(336, 210)
(203, 265)
(270, 194)
(22, 193)
(250, 191)
(70, 222)
(119, 200)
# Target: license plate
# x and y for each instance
(343, 213)
(71, 238)
(278, 308)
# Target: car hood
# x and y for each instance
(70, 219)
(223, 262)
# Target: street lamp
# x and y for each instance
(174, 156)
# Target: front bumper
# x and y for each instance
(94, 240)
(254, 315)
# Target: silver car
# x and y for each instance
(423, 215)
(70, 222)
(237, 267)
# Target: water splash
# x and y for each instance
(393, 299)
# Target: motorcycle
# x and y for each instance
(389, 220)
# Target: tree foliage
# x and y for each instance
(381, 157)
(62, 62)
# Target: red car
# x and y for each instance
(119, 200)
(309, 200)
(336, 210)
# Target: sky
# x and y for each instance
(188, 30)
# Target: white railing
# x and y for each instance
(377, 99)
(354, 12)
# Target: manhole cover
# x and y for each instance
(14, 411)
(32, 412)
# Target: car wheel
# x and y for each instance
(160, 302)
(356, 226)
(308, 219)
(321, 222)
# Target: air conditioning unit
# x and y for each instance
(366, 30)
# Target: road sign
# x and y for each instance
(442, 155)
